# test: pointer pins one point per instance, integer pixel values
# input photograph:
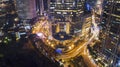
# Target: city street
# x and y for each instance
(59, 33)
(79, 50)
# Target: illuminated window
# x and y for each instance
(52, 7)
(62, 1)
(58, 12)
(64, 12)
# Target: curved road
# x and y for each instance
(81, 48)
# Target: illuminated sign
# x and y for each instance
(88, 7)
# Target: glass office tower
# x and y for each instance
(64, 13)
(111, 31)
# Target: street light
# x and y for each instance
(70, 47)
(16, 19)
(52, 45)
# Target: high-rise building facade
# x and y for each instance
(66, 9)
(7, 13)
(40, 6)
(111, 31)
(26, 8)
(66, 12)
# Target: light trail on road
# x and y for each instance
(80, 49)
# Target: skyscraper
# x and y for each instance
(66, 8)
(66, 12)
(29, 10)
(39, 7)
(111, 30)
(7, 13)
